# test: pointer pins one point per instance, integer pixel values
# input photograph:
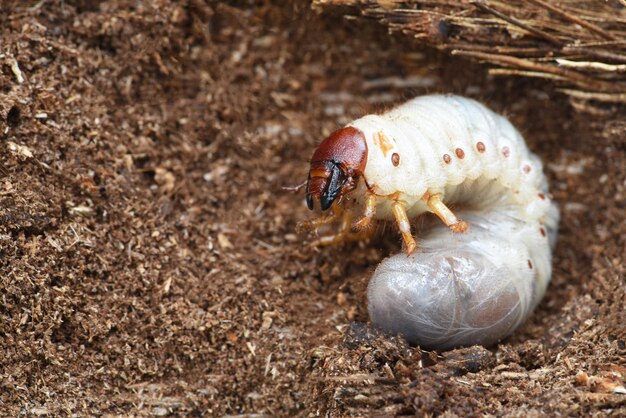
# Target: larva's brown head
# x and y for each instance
(336, 166)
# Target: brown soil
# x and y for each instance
(148, 255)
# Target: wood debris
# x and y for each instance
(578, 44)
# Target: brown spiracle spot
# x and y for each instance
(480, 147)
(506, 152)
(447, 159)
(527, 169)
(543, 232)
(459, 153)
(541, 196)
(395, 159)
(530, 264)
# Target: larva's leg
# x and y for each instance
(344, 234)
(441, 210)
(321, 221)
(342, 237)
(344, 229)
(370, 210)
(405, 226)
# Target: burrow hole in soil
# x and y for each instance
(13, 116)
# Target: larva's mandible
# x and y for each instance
(478, 279)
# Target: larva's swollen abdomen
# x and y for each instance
(459, 290)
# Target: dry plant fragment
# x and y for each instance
(15, 67)
(20, 151)
(607, 381)
(580, 45)
(165, 179)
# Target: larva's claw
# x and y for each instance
(302, 226)
(459, 227)
(326, 240)
(411, 247)
(363, 223)
(341, 237)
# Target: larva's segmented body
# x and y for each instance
(445, 143)
(423, 156)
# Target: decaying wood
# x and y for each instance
(578, 44)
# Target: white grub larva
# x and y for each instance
(473, 282)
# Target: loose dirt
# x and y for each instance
(148, 256)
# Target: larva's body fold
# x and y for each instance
(474, 288)
(431, 154)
